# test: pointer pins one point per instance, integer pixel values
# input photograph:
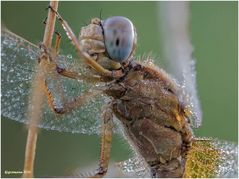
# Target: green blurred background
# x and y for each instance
(214, 37)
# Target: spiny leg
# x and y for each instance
(79, 76)
(69, 73)
(107, 125)
(52, 75)
(70, 105)
(91, 62)
(106, 136)
(73, 74)
(48, 60)
(58, 39)
(106, 140)
(58, 42)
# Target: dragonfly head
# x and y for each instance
(120, 38)
(110, 42)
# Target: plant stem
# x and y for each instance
(50, 25)
(37, 96)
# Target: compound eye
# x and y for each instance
(119, 37)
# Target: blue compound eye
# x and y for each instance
(119, 36)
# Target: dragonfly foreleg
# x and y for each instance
(58, 42)
(79, 76)
(88, 59)
(58, 38)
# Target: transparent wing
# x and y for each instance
(209, 158)
(228, 161)
(212, 158)
(18, 61)
(134, 167)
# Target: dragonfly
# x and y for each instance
(205, 157)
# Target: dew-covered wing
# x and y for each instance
(18, 61)
(207, 158)
(134, 167)
(212, 158)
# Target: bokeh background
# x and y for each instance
(214, 37)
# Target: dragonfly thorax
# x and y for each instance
(146, 103)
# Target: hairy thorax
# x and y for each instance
(146, 101)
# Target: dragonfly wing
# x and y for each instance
(228, 163)
(19, 58)
(134, 167)
(208, 158)
(211, 158)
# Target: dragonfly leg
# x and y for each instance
(44, 22)
(58, 38)
(106, 140)
(78, 101)
(69, 73)
(69, 105)
(58, 42)
(79, 76)
(88, 59)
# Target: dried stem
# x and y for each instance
(50, 25)
(36, 98)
